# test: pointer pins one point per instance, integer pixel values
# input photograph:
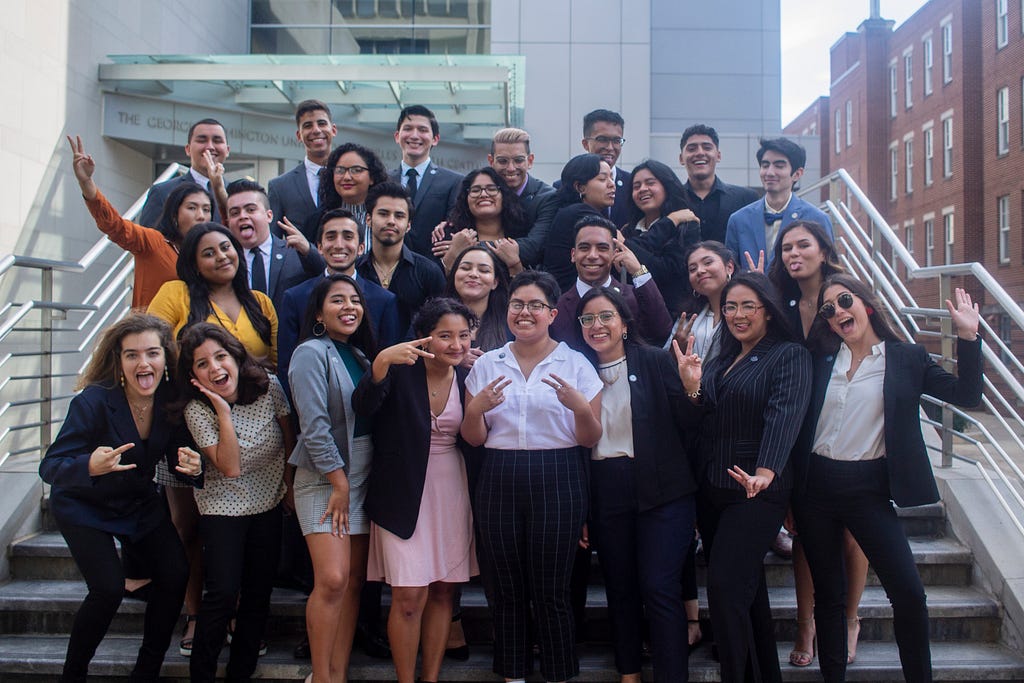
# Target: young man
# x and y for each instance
(293, 195)
(274, 264)
(711, 199)
(431, 188)
(391, 263)
(602, 135)
(511, 157)
(752, 230)
(207, 146)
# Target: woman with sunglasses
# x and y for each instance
(849, 464)
(641, 486)
(532, 403)
(753, 396)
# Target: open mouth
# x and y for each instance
(599, 337)
(221, 381)
(145, 379)
(845, 324)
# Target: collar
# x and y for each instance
(199, 178)
(266, 246)
(768, 207)
(354, 274)
(421, 169)
(582, 287)
(506, 356)
(717, 186)
(311, 166)
(522, 188)
(844, 356)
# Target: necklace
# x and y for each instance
(385, 276)
(611, 372)
(139, 411)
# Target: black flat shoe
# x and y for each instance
(373, 644)
(459, 654)
(301, 650)
(141, 593)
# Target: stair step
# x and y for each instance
(39, 658)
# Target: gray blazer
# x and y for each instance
(322, 397)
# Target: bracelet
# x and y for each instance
(695, 394)
(643, 271)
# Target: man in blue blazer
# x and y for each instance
(433, 189)
(283, 263)
(293, 195)
(204, 136)
(752, 230)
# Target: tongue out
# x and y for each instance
(146, 381)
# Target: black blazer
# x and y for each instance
(623, 196)
(399, 453)
(909, 373)
(560, 241)
(290, 198)
(540, 204)
(662, 249)
(126, 502)
(154, 206)
(436, 193)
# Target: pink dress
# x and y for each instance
(442, 546)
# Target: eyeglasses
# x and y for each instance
(516, 306)
(588, 319)
(828, 310)
(747, 308)
(354, 170)
(489, 190)
(505, 161)
(608, 140)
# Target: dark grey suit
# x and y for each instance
(436, 193)
(290, 197)
(154, 206)
(288, 268)
(539, 207)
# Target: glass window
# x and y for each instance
(893, 90)
(1002, 25)
(849, 123)
(926, 49)
(947, 52)
(1003, 214)
(947, 147)
(908, 77)
(1003, 120)
(947, 227)
(929, 243)
(908, 157)
(839, 130)
(929, 155)
(894, 160)
(908, 239)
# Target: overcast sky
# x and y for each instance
(809, 29)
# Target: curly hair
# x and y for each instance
(327, 193)
(512, 220)
(253, 380)
(104, 368)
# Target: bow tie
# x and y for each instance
(770, 217)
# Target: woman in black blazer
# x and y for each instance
(421, 538)
(754, 394)
(641, 488)
(851, 464)
(101, 468)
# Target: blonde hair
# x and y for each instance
(511, 136)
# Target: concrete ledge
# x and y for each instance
(19, 505)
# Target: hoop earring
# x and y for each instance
(321, 330)
(624, 335)
(582, 195)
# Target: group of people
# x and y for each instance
(435, 376)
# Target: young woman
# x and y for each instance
(101, 469)
(332, 461)
(351, 170)
(155, 251)
(587, 188)
(532, 403)
(485, 211)
(753, 395)
(851, 464)
(421, 538)
(641, 489)
(710, 266)
(238, 415)
(479, 279)
(804, 258)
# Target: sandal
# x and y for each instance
(185, 646)
(852, 635)
(230, 635)
(800, 657)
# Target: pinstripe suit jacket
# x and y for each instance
(754, 413)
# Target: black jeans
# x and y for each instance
(855, 496)
(160, 556)
(240, 557)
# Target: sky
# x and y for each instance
(809, 29)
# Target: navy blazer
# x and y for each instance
(399, 455)
(288, 268)
(154, 206)
(662, 249)
(648, 308)
(622, 208)
(745, 230)
(909, 373)
(540, 204)
(436, 193)
(124, 503)
(290, 198)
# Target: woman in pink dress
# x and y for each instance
(421, 532)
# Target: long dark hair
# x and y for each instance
(821, 338)
(168, 223)
(253, 380)
(200, 307)
(493, 330)
(580, 169)
(718, 249)
(327, 193)
(621, 307)
(780, 277)
(778, 326)
(363, 338)
(512, 219)
(675, 195)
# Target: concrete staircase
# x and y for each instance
(37, 606)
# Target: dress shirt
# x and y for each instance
(200, 180)
(522, 188)
(265, 251)
(716, 206)
(531, 416)
(705, 334)
(852, 424)
(416, 279)
(771, 230)
(421, 169)
(582, 287)
(616, 412)
(312, 179)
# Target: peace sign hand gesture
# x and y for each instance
(84, 166)
(105, 460)
(292, 237)
(689, 364)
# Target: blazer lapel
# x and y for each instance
(121, 421)
(424, 184)
(339, 378)
(301, 187)
(277, 255)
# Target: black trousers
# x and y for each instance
(737, 532)
(855, 496)
(642, 555)
(240, 556)
(160, 555)
(531, 506)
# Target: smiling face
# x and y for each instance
(512, 161)
(527, 325)
(216, 370)
(216, 258)
(486, 204)
(249, 218)
(194, 209)
(142, 363)
(593, 255)
(339, 245)
(352, 185)
(599, 191)
(777, 175)
(451, 340)
(342, 311)
(853, 324)
(708, 272)
(390, 220)
(316, 132)
(604, 336)
(474, 276)
(749, 323)
(648, 192)
(207, 136)
(801, 254)
(604, 141)
(700, 156)
(416, 138)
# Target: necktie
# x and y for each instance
(410, 186)
(259, 273)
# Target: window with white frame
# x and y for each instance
(928, 59)
(947, 229)
(839, 130)
(908, 236)
(908, 79)
(947, 52)
(947, 147)
(1002, 24)
(894, 160)
(1003, 120)
(929, 154)
(929, 243)
(849, 123)
(1003, 214)
(908, 160)
(893, 90)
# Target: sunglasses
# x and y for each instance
(828, 310)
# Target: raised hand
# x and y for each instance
(624, 257)
(84, 166)
(755, 267)
(105, 460)
(753, 485)
(507, 249)
(404, 353)
(218, 402)
(689, 364)
(568, 395)
(683, 216)
(965, 315)
(685, 326)
(471, 357)
(292, 237)
(214, 169)
(190, 463)
(490, 396)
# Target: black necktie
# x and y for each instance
(411, 185)
(259, 273)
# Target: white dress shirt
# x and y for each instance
(265, 251)
(312, 179)
(852, 421)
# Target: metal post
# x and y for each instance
(946, 327)
(46, 363)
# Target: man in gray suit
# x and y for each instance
(275, 264)
(433, 189)
(293, 195)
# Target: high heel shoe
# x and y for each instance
(800, 657)
(852, 635)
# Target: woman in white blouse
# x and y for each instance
(532, 403)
